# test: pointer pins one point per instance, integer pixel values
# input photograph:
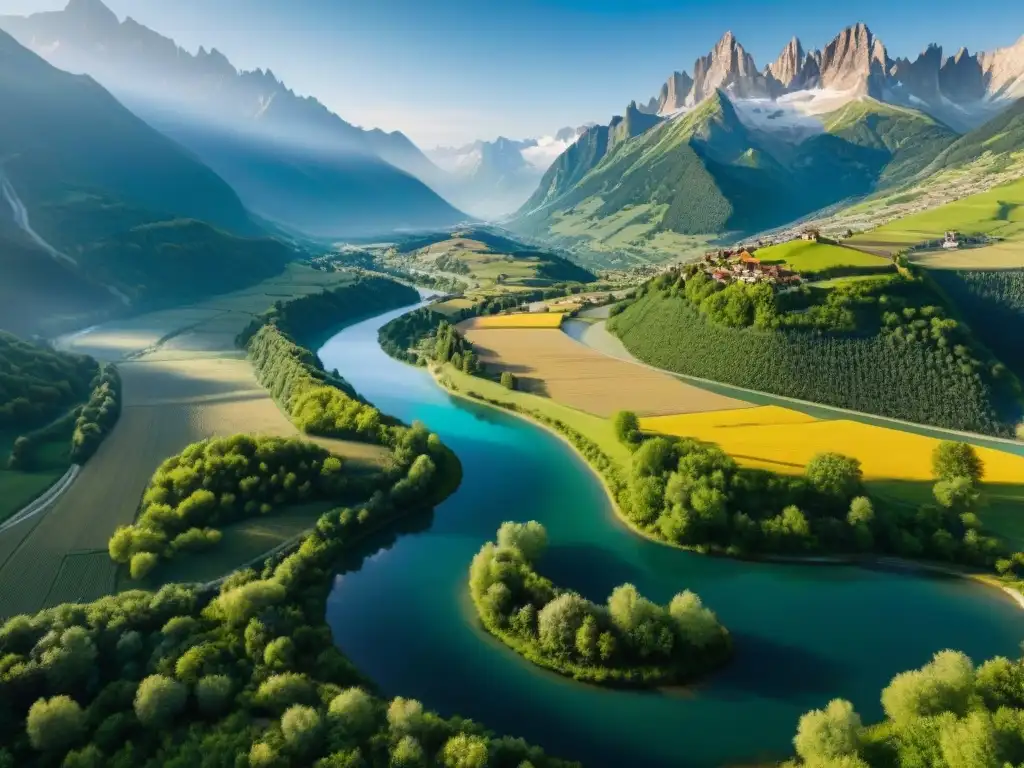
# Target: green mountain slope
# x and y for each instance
(1002, 135)
(699, 175)
(100, 213)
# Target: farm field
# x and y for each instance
(548, 362)
(896, 464)
(171, 398)
(519, 320)
(998, 212)
(19, 488)
(1007, 255)
(452, 306)
(808, 256)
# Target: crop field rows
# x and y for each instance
(549, 363)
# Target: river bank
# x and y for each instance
(802, 635)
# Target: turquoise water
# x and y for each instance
(803, 635)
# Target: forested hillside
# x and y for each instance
(37, 383)
(992, 302)
(888, 350)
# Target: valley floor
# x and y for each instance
(183, 381)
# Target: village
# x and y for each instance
(741, 264)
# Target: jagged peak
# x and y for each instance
(95, 10)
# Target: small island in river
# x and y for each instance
(630, 641)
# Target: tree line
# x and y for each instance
(244, 675)
(914, 370)
(949, 714)
(628, 641)
(695, 495)
(318, 313)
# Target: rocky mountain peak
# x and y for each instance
(93, 11)
(729, 67)
(673, 93)
(792, 70)
(855, 61)
(921, 76)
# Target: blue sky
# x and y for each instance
(450, 71)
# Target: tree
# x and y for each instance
(508, 380)
(862, 512)
(945, 684)
(827, 734)
(835, 475)
(969, 743)
(262, 755)
(956, 493)
(465, 751)
(627, 427)
(301, 727)
(213, 694)
(278, 692)
(952, 459)
(559, 621)
(408, 753)
(54, 725)
(587, 637)
(529, 538)
(696, 624)
(280, 653)
(355, 710)
(405, 716)
(159, 700)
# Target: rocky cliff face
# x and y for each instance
(728, 67)
(674, 92)
(921, 76)
(961, 79)
(1003, 71)
(854, 61)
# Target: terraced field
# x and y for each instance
(547, 362)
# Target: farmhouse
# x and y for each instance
(951, 240)
(811, 235)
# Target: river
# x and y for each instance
(803, 634)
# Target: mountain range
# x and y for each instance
(494, 178)
(290, 159)
(99, 212)
(734, 148)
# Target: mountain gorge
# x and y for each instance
(291, 159)
(734, 149)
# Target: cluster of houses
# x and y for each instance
(741, 265)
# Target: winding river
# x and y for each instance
(803, 634)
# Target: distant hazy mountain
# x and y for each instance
(734, 148)
(290, 158)
(494, 178)
(100, 211)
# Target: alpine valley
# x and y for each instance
(734, 149)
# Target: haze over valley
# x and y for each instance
(374, 393)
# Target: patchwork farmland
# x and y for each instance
(548, 362)
(183, 381)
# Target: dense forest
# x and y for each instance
(424, 336)
(695, 495)
(947, 713)
(992, 302)
(37, 383)
(318, 313)
(629, 641)
(876, 350)
(219, 481)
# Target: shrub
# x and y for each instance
(159, 700)
(55, 724)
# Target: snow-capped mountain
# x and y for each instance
(963, 91)
(494, 178)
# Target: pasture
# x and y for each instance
(1005, 255)
(806, 256)
(19, 488)
(545, 320)
(998, 212)
(549, 363)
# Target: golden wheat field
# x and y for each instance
(520, 320)
(783, 440)
(549, 363)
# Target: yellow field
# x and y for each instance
(1007, 255)
(781, 440)
(520, 320)
(551, 364)
(452, 306)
